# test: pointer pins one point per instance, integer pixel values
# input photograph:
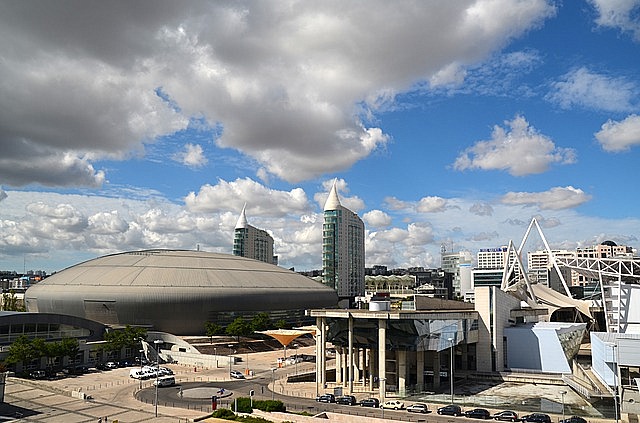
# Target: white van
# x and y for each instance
(165, 381)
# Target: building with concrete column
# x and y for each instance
(395, 350)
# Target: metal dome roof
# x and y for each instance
(174, 290)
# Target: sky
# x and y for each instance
(445, 124)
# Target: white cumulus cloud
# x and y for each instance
(620, 14)
(583, 88)
(620, 136)
(521, 151)
(554, 199)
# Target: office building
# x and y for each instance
(458, 263)
(251, 242)
(342, 249)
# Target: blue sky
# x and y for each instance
(128, 126)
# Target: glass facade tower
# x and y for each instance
(342, 249)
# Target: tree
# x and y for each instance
(281, 324)
(238, 328)
(11, 303)
(21, 351)
(261, 321)
(211, 329)
(69, 347)
(129, 337)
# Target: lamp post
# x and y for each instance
(563, 393)
(615, 380)
(230, 346)
(273, 381)
(451, 369)
(141, 351)
(215, 353)
(156, 343)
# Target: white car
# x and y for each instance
(418, 407)
(393, 404)
(236, 374)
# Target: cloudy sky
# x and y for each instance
(148, 124)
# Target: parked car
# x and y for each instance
(370, 402)
(393, 405)
(37, 374)
(478, 413)
(573, 419)
(326, 398)
(111, 365)
(450, 410)
(165, 381)
(165, 371)
(506, 415)
(236, 374)
(346, 400)
(536, 418)
(418, 407)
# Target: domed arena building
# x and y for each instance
(177, 291)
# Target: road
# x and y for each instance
(170, 397)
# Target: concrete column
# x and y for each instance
(420, 370)
(350, 357)
(382, 350)
(402, 371)
(436, 370)
(321, 356)
(339, 365)
(465, 357)
(372, 367)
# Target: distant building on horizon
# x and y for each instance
(251, 242)
(342, 249)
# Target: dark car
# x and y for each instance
(37, 374)
(346, 400)
(450, 410)
(370, 402)
(506, 415)
(478, 413)
(573, 419)
(536, 418)
(326, 398)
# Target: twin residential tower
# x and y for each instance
(342, 248)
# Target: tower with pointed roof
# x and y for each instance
(342, 249)
(251, 242)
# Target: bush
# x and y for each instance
(243, 404)
(224, 413)
(269, 406)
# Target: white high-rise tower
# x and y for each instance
(342, 248)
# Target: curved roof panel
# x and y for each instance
(174, 290)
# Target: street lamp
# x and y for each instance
(451, 369)
(295, 358)
(615, 380)
(156, 343)
(215, 352)
(563, 393)
(230, 346)
(141, 351)
(273, 381)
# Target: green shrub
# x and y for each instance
(243, 404)
(269, 406)
(224, 413)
